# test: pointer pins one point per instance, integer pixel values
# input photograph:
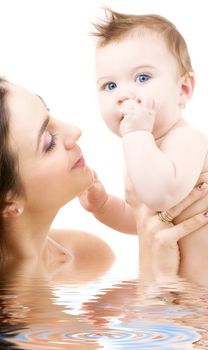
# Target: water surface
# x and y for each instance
(103, 312)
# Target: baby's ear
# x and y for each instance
(187, 84)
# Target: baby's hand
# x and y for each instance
(138, 115)
(95, 197)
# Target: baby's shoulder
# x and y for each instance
(187, 134)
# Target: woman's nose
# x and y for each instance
(72, 135)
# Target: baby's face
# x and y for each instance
(135, 66)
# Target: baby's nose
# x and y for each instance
(125, 95)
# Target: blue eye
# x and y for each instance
(110, 86)
(142, 78)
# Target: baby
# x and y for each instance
(144, 80)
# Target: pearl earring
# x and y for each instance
(18, 211)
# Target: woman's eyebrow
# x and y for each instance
(48, 109)
(42, 129)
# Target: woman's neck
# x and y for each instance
(25, 237)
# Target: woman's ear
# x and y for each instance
(187, 84)
(13, 206)
(12, 209)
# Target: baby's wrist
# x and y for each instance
(138, 132)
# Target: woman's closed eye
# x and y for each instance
(142, 78)
(49, 142)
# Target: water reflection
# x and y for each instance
(38, 312)
(11, 318)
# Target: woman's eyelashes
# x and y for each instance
(50, 142)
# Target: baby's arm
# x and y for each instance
(110, 210)
(163, 177)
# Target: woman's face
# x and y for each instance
(51, 165)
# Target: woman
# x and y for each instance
(37, 179)
(42, 168)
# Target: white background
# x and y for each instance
(45, 46)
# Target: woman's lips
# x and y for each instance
(80, 163)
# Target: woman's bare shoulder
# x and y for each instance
(83, 244)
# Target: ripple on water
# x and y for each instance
(114, 318)
(145, 336)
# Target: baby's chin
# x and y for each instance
(115, 128)
(116, 131)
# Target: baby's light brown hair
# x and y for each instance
(117, 25)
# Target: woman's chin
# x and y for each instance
(83, 179)
(91, 178)
(88, 178)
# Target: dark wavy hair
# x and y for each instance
(10, 181)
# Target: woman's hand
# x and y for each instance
(159, 252)
(194, 203)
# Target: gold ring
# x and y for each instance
(164, 216)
